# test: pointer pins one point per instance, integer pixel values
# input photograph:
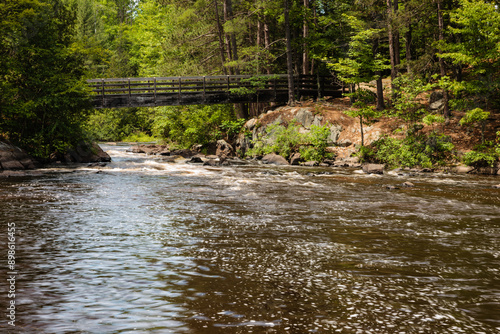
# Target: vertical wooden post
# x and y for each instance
(228, 84)
(204, 89)
(102, 91)
(129, 92)
(180, 88)
(274, 87)
(154, 90)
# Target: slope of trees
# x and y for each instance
(449, 45)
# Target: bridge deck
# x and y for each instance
(172, 91)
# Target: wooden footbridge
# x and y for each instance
(173, 91)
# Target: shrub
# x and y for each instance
(424, 151)
(288, 140)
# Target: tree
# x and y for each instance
(43, 96)
(363, 111)
(476, 52)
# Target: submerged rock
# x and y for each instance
(408, 184)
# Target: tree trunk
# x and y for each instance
(380, 87)
(361, 128)
(289, 59)
(232, 36)
(395, 33)
(393, 47)
(442, 69)
(221, 41)
(408, 48)
(267, 42)
(305, 53)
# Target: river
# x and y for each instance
(142, 246)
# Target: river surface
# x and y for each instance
(142, 246)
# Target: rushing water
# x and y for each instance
(143, 246)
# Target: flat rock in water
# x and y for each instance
(274, 159)
(373, 169)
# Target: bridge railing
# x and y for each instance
(123, 92)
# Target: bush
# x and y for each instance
(423, 151)
(190, 125)
(286, 141)
(484, 155)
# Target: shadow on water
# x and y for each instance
(142, 246)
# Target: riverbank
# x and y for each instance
(15, 161)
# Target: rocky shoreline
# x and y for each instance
(14, 161)
(224, 155)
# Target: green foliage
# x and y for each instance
(232, 127)
(484, 155)
(477, 23)
(252, 85)
(364, 112)
(474, 116)
(140, 137)
(360, 63)
(118, 124)
(190, 125)
(43, 99)
(406, 104)
(423, 151)
(477, 159)
(432, 119)
(286, 141)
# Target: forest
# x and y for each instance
(49, 48)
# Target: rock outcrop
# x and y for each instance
(14, 158)
(86, 152)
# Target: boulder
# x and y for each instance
(172, 158)
(335, 131)
(317, 120)
(497, 186)
(224, 149)
(250, 124)
(436, 106)
(274, 159)
(463, 169)
(242, 143)
(196, 160)
(304, 117)
(488, 170)
(185, 153)
(344, 143)
(407, 184)
(211, 162)
(435, 96)
(14, 158)
(295, 159)
(373, 168)
(86, 152)
(310, 163)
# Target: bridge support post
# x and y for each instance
(129, 93)
(204, 90)
(102, 82)
(180, 90)
(154, 85)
